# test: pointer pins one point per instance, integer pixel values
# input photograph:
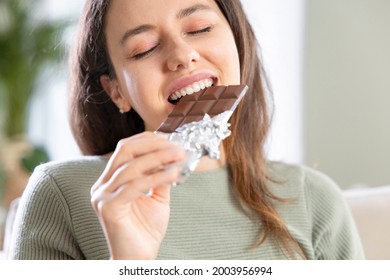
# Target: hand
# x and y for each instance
(134, 222)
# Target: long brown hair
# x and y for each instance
(98, 126)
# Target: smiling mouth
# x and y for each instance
(191, 89)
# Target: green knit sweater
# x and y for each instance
(55, 219)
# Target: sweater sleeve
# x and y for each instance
(43, 228)
(334, 234)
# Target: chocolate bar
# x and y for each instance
(212, 101)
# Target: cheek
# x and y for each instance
(129, 84)
(132, 90)
(225, 54)
(234, 67)
(232, 53)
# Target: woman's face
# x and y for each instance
(161, 49)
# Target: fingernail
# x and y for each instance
(148, 192)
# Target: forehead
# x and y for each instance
(140, 11)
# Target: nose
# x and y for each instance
(181, 55)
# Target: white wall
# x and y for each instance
(347, 90)
(279, 26)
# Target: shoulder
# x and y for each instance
(89, 166)
(320, 202)
(301, 179)
(315, 194)
(55, 213)
(65, 179)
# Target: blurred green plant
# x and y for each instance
(36, 156)
(27, 45)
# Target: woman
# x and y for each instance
(131, 58)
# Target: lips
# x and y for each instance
(191, 89)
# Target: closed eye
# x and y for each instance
(144, 54)
(151, 50)
(204, 30)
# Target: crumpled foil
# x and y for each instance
(201, 138)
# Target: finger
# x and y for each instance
(132, 147)
(129, 148)
(139, 187)
(145, 165)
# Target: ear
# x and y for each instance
(111, 86)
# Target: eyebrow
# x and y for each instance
(147, 27)
(138, 30)
(190, 10)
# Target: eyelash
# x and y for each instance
(142, 55)
(192, 33)
(204, 30)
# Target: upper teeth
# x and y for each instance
(195, 87)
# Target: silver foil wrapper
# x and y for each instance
(201, 138)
